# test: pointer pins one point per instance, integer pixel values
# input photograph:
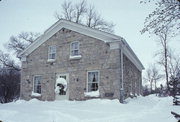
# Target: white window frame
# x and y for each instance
(88, 78)
(74, 49)
(51, 53)
(34, 83)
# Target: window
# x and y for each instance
(52, 52)
(93, 81)
(37, 84)
(74, 48)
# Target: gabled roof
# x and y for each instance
(101, 35)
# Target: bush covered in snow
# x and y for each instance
(60, 86)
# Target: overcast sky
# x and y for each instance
(37, 15)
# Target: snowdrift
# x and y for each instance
(140, 109)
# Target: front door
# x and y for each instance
(62, 87)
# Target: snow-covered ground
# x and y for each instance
(141, 109)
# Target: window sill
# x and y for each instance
(35, 95)
(51, 60)
(92, 94)
(75, 57)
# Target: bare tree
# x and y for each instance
(80, 11)
(18, 43)
(82, 14)
(101, 24)
(174, 64)
(67, 11)
(155, 76)
(166, 12)
(94, 20)
(152, 76)
(91, 13)
(148, 77)
(72, 12)
(164, 38)
(164, 22)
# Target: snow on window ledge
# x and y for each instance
(35, 94)
(92, 94)
(75, 57)
(51, 60)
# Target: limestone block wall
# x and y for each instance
(96, 55)
(132, 78)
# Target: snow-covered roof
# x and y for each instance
(101, 35)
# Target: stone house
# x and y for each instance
(75, 62)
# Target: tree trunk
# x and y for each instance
(155, 85)
(151, 85)
(166, 63)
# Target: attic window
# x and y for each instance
(52, 52)
(74, 49)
